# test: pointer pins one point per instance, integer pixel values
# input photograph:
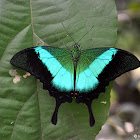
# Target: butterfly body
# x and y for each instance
(76, 53)
(76, 73)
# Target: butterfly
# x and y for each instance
(76, 73)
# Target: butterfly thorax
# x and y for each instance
(76, 52)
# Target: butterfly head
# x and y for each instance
(76, 45)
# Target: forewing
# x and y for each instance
(97, 67)
(53, 66)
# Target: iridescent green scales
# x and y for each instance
(87, 64)
(60, 66)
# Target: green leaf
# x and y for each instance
(25, 108)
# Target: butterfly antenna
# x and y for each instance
(85, 34)
(61, 41)
(68, 33)
(85, 44)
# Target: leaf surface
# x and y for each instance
(25, 108)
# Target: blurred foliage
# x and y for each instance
(124, 120)
(113, 95)
(129, 28)
(135, 6)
